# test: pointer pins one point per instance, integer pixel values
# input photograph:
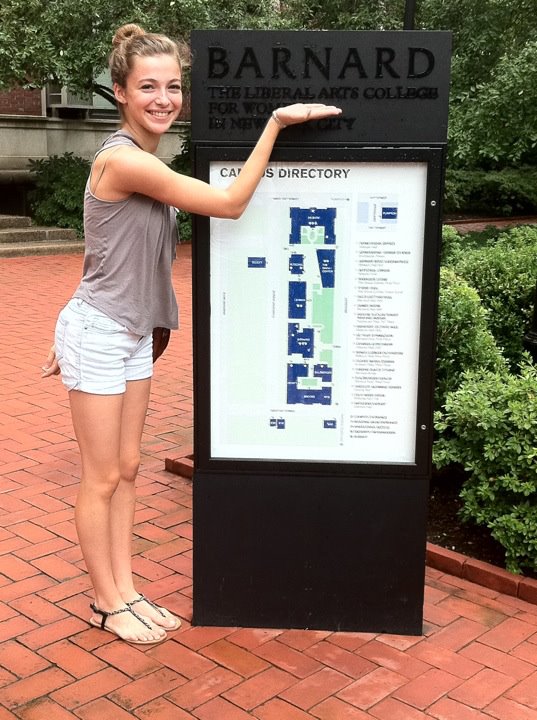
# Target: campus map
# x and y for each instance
(308, 294)
(311, 306)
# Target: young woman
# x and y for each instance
(103, 339)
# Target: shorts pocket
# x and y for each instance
(102, 324)
(59, 335)
(67, 338)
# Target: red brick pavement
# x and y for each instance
(476, 659)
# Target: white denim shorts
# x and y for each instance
(98, 355)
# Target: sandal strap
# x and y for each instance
(142, 598)
(105, 614)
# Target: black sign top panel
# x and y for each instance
(393, 87)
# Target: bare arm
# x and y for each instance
(135, 172)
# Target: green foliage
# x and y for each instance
(58, 198)
(489, 425)
(451, 244)
(19, 57)
(182, 163)
(505, 192)
(464, 341)
(503, 272)
(486, 412)
(64, 40)
(493, 111)
(493, 117)
(343, 15)
(495, 123)
(455, 244)
(483, 33)
(69, 40)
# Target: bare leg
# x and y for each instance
(97, 424)
(123, 502)
(135, 402)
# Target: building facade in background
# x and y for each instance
(40, 123)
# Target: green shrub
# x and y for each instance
(504, 273)
(182, 163)
(452, 243)
(58, 198)
(489, 426)
(481, 238)
(464, 341)
(510, 191)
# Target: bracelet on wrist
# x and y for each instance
(277, 120)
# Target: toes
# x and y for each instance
(156, 633)
(168, 622)
(164, 623)
(160, 618)
(141, 634)
(149, 637)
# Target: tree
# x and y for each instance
(493, 119)
(343, 14)
(68, 41)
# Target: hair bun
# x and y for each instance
(127, 32)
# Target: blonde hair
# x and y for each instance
(132, 41)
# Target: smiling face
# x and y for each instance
(152, 98)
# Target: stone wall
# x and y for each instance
(25, 138)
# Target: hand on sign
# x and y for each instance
(302, 112)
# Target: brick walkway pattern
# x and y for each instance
(476, 659)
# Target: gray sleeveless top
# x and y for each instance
(130, 247)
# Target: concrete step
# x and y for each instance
(36, 233)
(41, 248)
(21, 238)
(14, 221)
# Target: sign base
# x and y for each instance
(310, 552)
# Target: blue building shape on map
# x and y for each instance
(309, 383)
(257, 262)
(297, 300)
(323, 371)
(389, 213)
(309, 396)
(327, 266)
(300, 342)
(295, 371)
(312, 217)
(296, 264)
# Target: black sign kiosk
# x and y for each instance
(314, 329)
